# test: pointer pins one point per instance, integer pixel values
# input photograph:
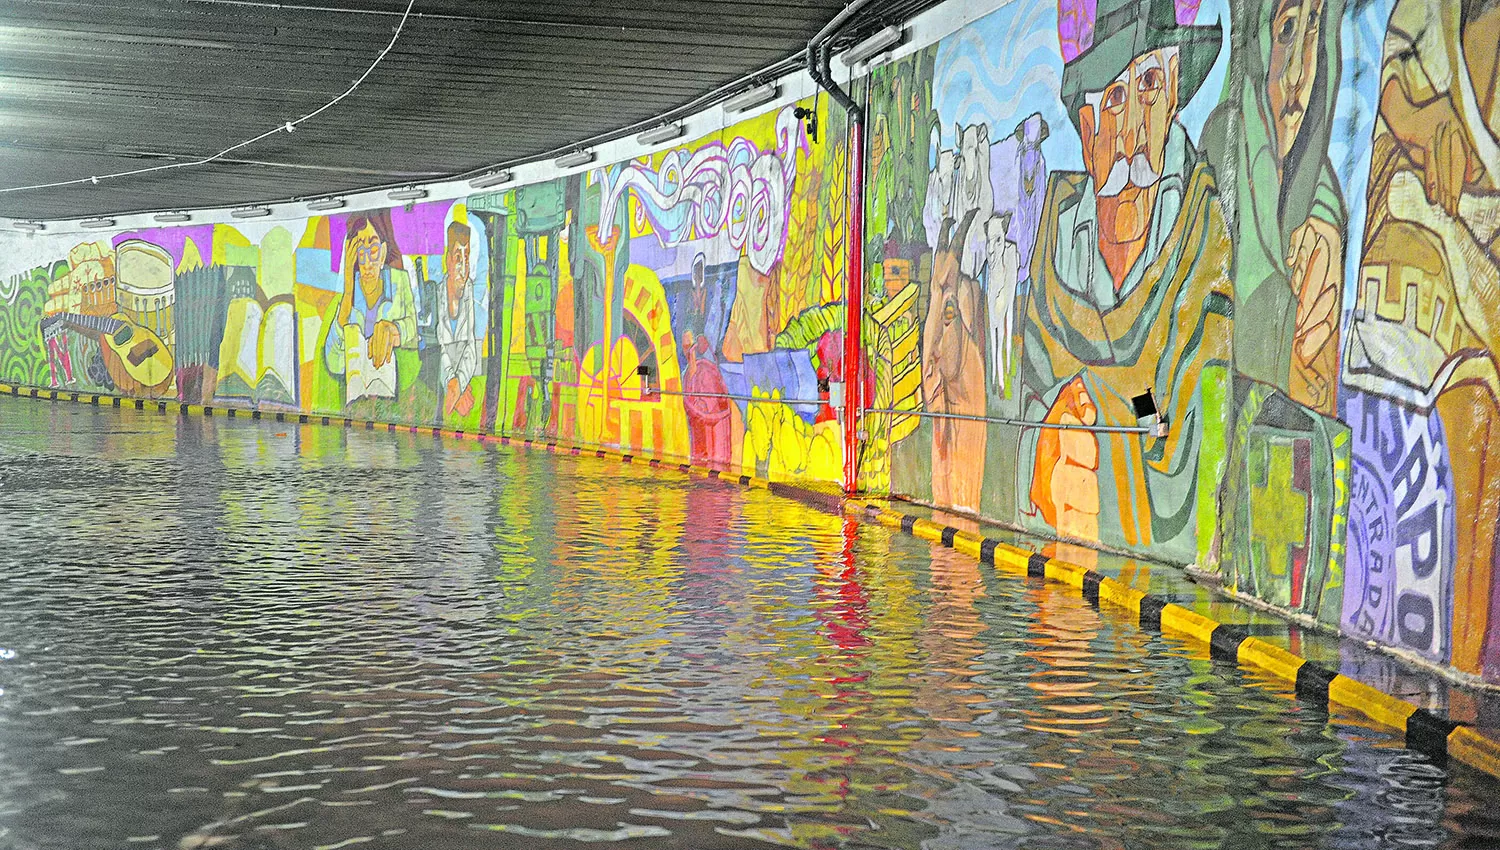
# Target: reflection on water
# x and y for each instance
(225, 635)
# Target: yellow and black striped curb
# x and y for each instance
(1425, 732)
(548, 444)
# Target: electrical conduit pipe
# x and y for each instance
(818, 51)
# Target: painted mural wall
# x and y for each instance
(1278, 218)
(686, 304)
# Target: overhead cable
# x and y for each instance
(287, 127)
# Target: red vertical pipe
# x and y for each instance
(854, 297)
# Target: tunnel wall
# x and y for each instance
(1304, 275)
(1301, 268)
(717, 266)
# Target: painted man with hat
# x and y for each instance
(1130, 285)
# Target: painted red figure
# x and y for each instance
(709, 427)
(830, 367)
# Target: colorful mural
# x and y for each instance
(1280, 219)
(685, 304)
(1072, 254)
(1277, 222)
(1424, 330)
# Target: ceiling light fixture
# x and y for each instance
(251, 212)
(172, 217)
(657, 135)
(96, 223)
(494, 178)
(28, 226)
(873, 46)
(410, 193)
(323, 204)
(576, 158)
(752, 98)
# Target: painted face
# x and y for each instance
(369, 257)
(1124, 130)
(1294, 67)
(456, 264)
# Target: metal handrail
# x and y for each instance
(750, 398)
(731, 397)
(1024, 423)
(992, 420)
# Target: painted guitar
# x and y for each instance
(132, 354)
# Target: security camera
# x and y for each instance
(811, 119)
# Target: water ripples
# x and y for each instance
(218, 635)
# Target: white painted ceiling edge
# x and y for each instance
(922, 31)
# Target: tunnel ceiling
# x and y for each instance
(88, 88)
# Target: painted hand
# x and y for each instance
(1317, 273)
(450, 396)
(1065, 479)
(1447, 167)
(383, 342)
(346, 304)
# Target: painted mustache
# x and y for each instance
(1136, 171)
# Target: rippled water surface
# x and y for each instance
(247, 635)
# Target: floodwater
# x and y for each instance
(238, 634)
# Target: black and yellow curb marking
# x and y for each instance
(528, 442)
(1426, 732)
